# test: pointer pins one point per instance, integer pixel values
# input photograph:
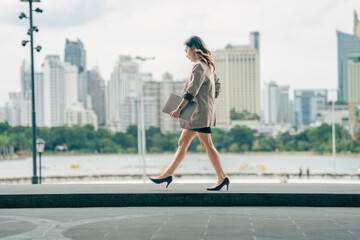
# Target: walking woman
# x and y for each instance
(203, 86)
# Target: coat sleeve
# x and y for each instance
(217, 85)
(195, 82)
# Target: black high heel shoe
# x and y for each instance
(158, 181)
(217, 188)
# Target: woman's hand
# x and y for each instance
(176, 113)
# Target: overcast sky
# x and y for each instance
(297, 38)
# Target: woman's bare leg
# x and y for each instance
(206, 142)
(184, 142)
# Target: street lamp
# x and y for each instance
(40, 145)
(141, 117)
(333, 131)
(38, 48)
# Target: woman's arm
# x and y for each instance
(195, 82)
(217, 85)
(176, 113)
(183, 103)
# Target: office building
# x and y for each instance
(12, 109)
(348, 44)
(123, 84)
(54, 91)
(161, 91)
(97, 94)
(306, 104)
(239, 72)
(353, 68)
(76, 55)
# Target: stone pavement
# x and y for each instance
(178, 194)
(181, 223)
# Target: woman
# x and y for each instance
(203, 87)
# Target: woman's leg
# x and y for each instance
(184, 142)
(206, 142)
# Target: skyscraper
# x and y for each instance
(255, 40)
(353, 68)
(71, 87)
(161, 91)
(12, 109)
(39, 99)
(129, 112)
(306, 105)
(25, 94)
(285, 111)
(347, 44)
(97, 93)
(76, 55)
(271, 103)
(276, 104)
(239, 72)
(123, 84)
(54, 91)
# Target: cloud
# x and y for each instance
(69, 13)
(298, 41)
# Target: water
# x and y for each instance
(192, 164)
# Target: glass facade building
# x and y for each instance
(76, 55)
(306, 105)
(347, 44)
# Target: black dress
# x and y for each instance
(202, 130)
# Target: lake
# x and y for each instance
(192, 164)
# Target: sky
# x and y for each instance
(298, 45)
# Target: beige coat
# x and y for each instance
(204, 86)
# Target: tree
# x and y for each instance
(242, 135)
(234, 147)
(132, 130)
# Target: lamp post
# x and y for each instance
(333, 132)
(38, 48)
(40, 145)
(141, 117)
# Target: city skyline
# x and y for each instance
(304, 33)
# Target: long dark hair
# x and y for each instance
(201, 51)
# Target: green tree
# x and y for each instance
(234, 147)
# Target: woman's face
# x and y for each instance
(190, 54)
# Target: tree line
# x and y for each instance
(238, 139)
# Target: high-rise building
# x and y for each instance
(271, 103)
(39, 99)
(354, 118)
(71, 87)
(285, 113)
(54, 91)
(255, 40)
(2, 114)
(97, 93)
(25, 94)
(276, 104)
(353, 68)
(306, 105)
(291, 113)
(239, 72)
(161, 91)
(76, 55)
(129, 112)
(12, 109)
(347, 44)
(123, 84)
